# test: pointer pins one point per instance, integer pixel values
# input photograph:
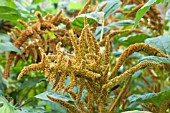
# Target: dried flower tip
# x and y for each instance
(85, 20)
(105, 73)
(120, 94)
(107, 51)
(56, 17)
(51, 76)
(69, 55)
(99, 60)
(58, 47)
(96, 45)
(39, 15)
(151, 50)
(135, 9)
(34, 53)
(80, 103)
(57, 78)
(72, 81)
(101, 8)
(130, 71)
(163, 106)
(48, 17)
(32, 22)
(41, 51)
(91, 56)
(23, 23)
(7, 67)
(90, 74)
(79, 93)
(86, 6)
(149, 108)
(59, 58)
(17, 30)
(17, 58)
(82, 39)
(127, 30)
(90, 101)
(61, 82)
(13, 36)
(32, 67)
(118, 32)
(74, 43)
(90, 43)
(69, 63)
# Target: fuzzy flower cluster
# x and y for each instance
(84, 64)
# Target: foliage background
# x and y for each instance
(28, 93)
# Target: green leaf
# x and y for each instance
(56, 107)
(9, 3)
(110, 8)
(119, 16)
(129, 110)
(53, 94)
(129, 7)
(21, 7)
(51, 34)
(37, 1)
(134, 55)
(116, 53)
(9, 47)
(154, 59)
(121, 23)
(9, 13)
(136, 75)
(143, 10)
(1, 92)
(137, 38)
(167, 17)
(116, 37)
(3, 82)
(156, 98)
(161, 42)
(98, 31)
(92, 18)
(30, 109)
(4, 37)
(6, 108)
(55, 1)
(30, 82)
(74, 6)
(3, 2)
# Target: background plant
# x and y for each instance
(110, 32)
